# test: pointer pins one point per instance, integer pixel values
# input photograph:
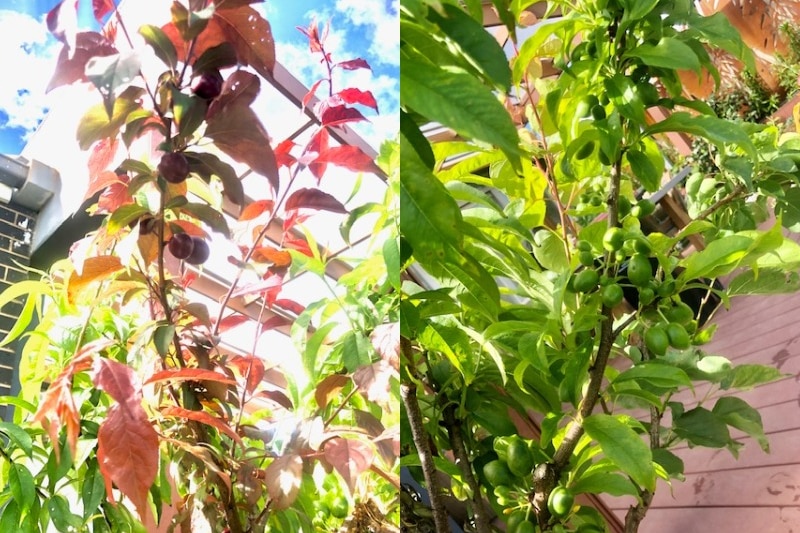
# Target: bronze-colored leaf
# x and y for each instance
(386, 341)
(374, 381)
(237, 131)
(127, 445)
(251, 36)
(329, 388)
(205, 418)
(314, 199)
(283, 477)
(349, 457)
(255, 209)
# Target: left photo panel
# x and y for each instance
(199, 266)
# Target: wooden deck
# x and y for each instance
(759, 492)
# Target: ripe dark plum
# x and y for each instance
(200, 252)
(174, 167)
(208, 85)
(181, 245)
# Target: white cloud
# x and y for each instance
(30, 56)
(384, 28)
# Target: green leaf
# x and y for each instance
(669, 53)
(311, 354)
(9, 521)
(530, 47)
(670, 462)
(701, 427)
(18, 436)
(391, 258)
(745, 377)
(720, 33)
(458, 101)
(764, 281)
(163, 337)
(189, 112)
(644, 170)
(657, 374)
(720, 257)
(624, 447)
(431, 224)
(788, 208)
(739, 414)
(430, 215)
(162, 46)
(636, 9)
(124, 215)
(208, 215)
(549, 250)
(63, 519)
(355, 351)
(622, 92)
(93, 490)
(22, 486)
(96, 124)
(416, 140)
(714, 129)
(605, 483)
(475, 42)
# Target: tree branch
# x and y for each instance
(408, 393)
(453, 425)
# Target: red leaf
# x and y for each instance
(349, 457)
(374, 381)
(386, 341)
(312, 32)
(100, 181)
(282, 155)
(103, 153)
(255, 209)
(329, 388)
(205, 418)
(357, 96)
(310, 94)
(127, 445)
(115, 195)
(333, 115)
(274, 322)
(353, 64)
(71, 67)
(102, 8)
(314, 199)
(318, 145)
(350, 157)
(300, 245)
(250, 34)
(290, 305)
(251, 368)
(231, 321)
(189, 374)
(282, 478)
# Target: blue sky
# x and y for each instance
(367, 29)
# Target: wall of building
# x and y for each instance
(16, 227)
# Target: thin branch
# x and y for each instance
(732, 196)
(408, 393)
(453, 425)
